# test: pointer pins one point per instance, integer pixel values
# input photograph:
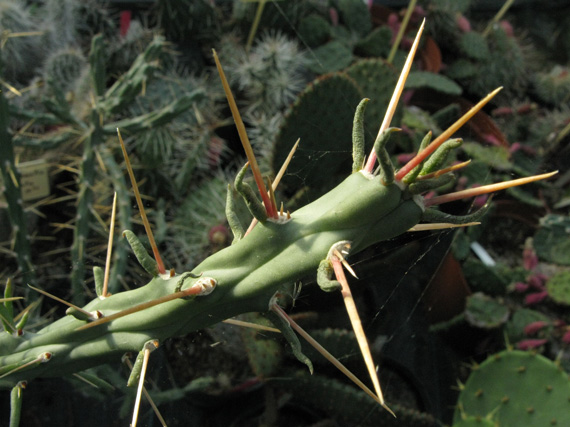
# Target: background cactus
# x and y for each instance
(514, 386)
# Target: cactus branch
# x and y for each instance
(193, 291)
(358, 141)
(16, 403)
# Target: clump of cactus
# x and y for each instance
(489, 60)
(22, 43)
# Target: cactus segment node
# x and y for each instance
(206, 286)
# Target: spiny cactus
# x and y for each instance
(515, 387)
(341, 95)
(553, 87)
(24, 52)
(271, 74)
(63, 68)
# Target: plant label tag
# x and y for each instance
(34, 180)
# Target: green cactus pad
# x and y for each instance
(322, 117)
(482, 278)
(475, 422)
(485, 312)
(376, 79)
(496, 157)
(437, 82)
(330, 57)
(349, 406)
(552, 241)
(376, 43)
(558, 287)
(474, 45)
(314, 30)
(355, 16)
(518, 388)
(263, 353)
(521, 318)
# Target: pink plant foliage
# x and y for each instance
(405, 158)
(534, 327)
(333, 13)
(462, 23)
(566, 337)
(537, 281)
(516, 146)
(530, 259)
(507, 28)
(521, 287)
(535, 297)
(530, 344)
(492, 139)
(480, 201)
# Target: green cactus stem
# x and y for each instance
(13, 193)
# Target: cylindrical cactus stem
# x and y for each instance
(84, 206)
(13, 194)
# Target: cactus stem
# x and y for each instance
(357, 325)
(148, 347)
(147, 228)
(270, 209)
(395, 97)
(281, 313)
(194, 290)
(87, 314)
(109, 248)
(422, 155)
(485, 189)
(443, 171)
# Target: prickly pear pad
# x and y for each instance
(519, 388)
